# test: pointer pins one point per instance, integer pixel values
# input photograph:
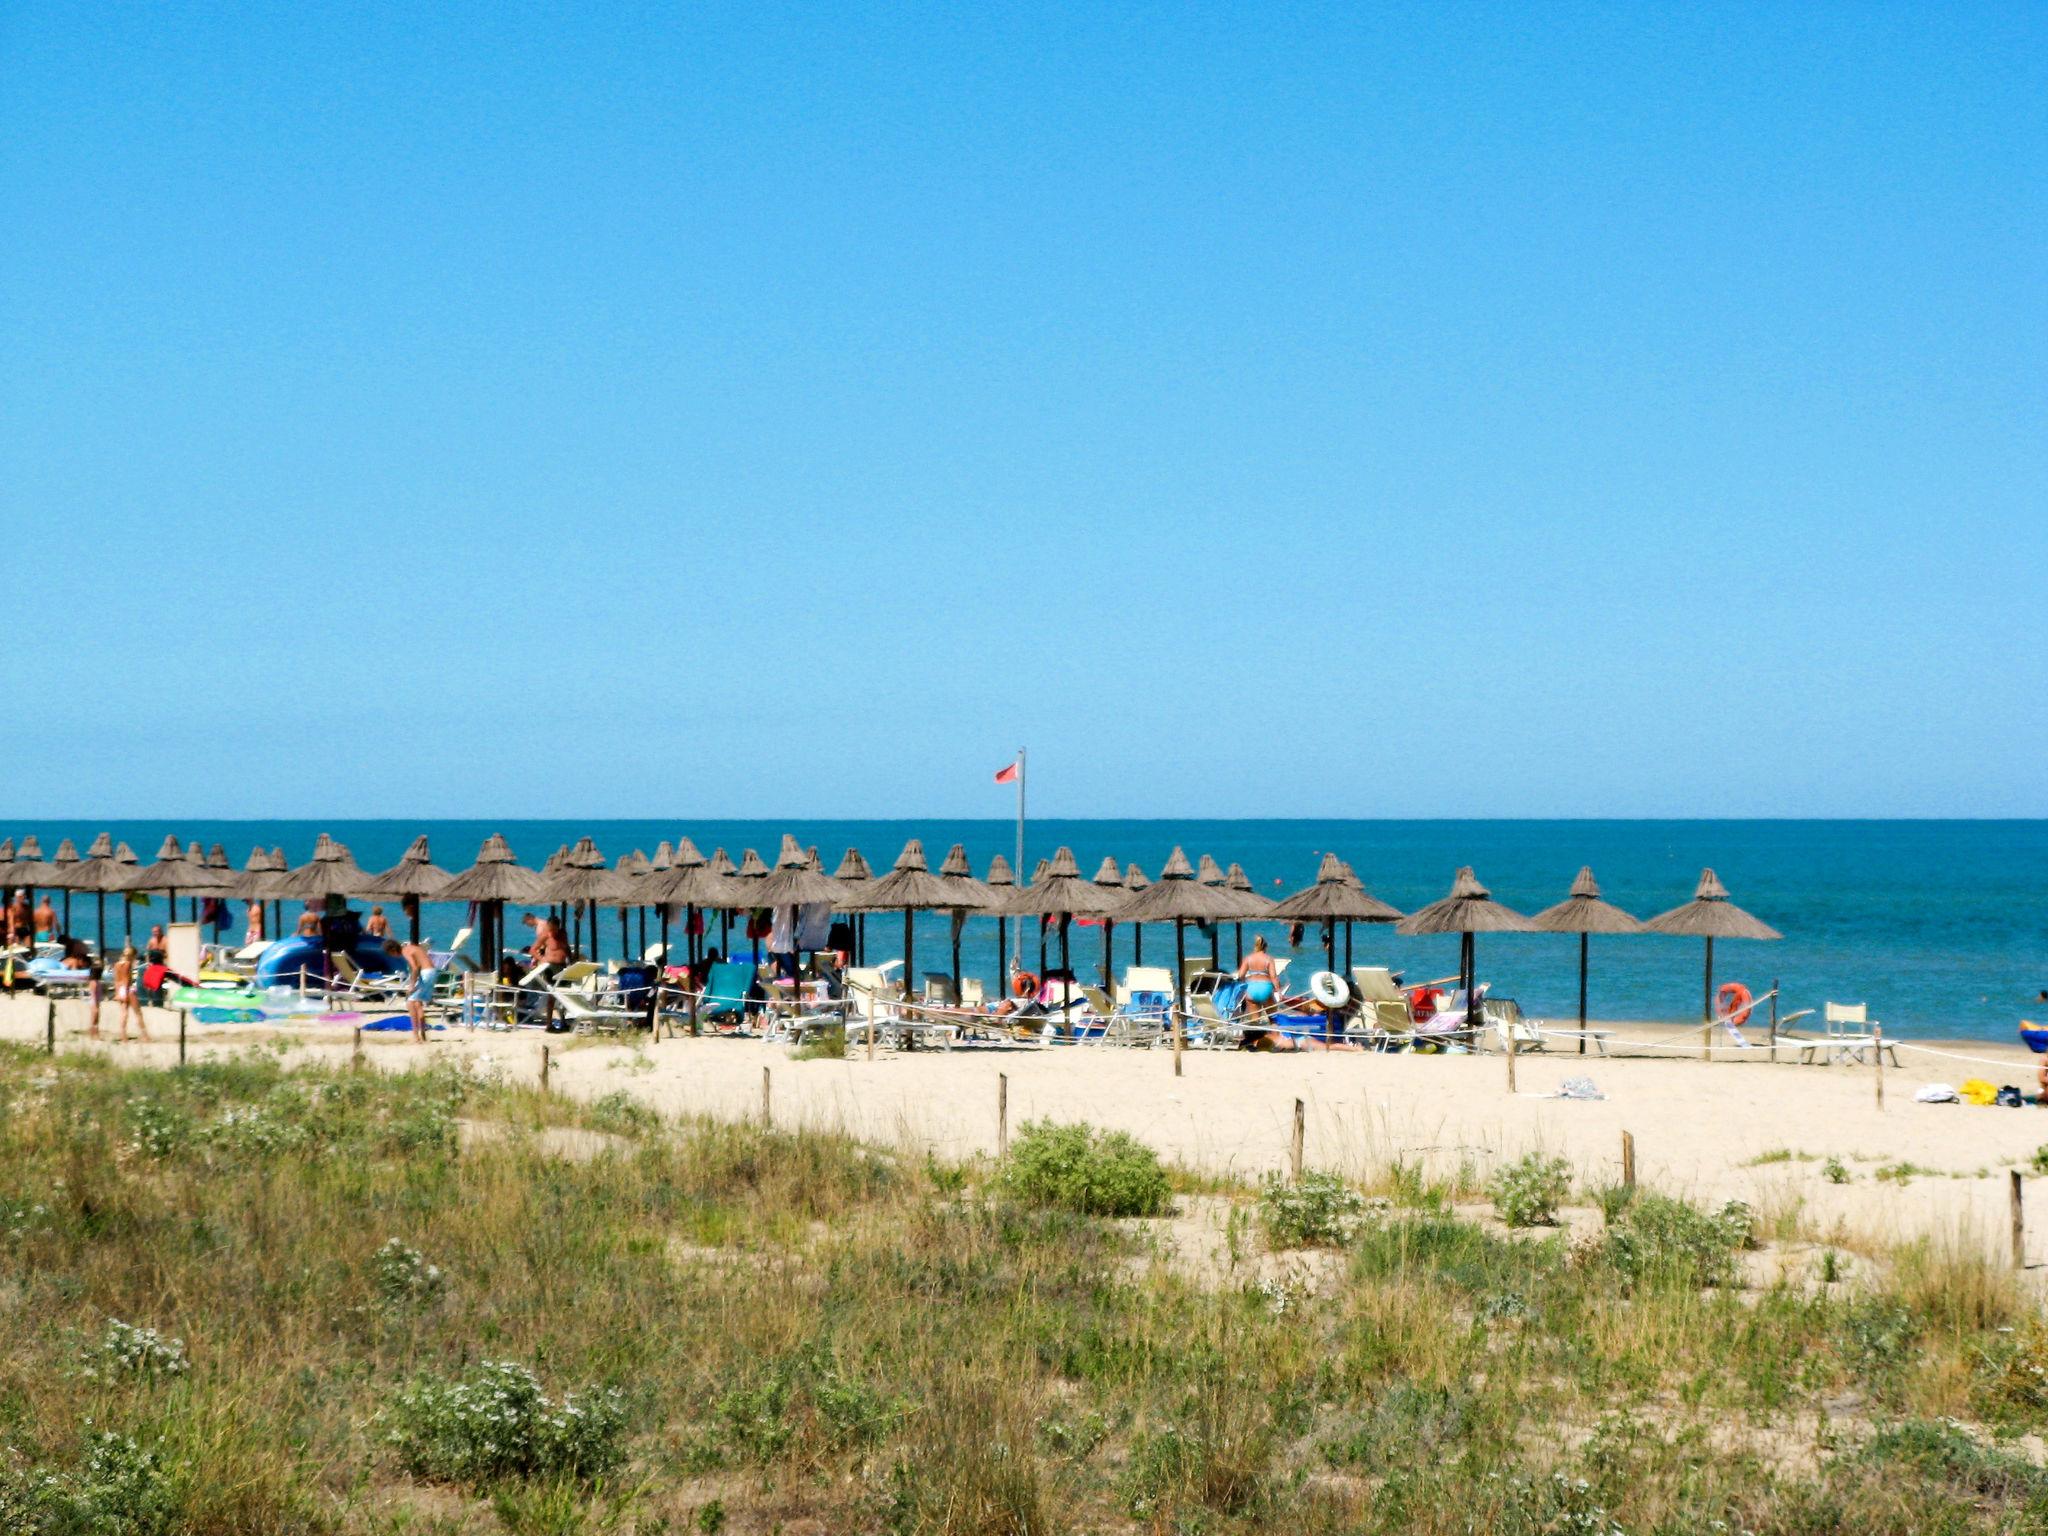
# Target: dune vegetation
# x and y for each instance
(249, 1296)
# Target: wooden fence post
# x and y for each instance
(1628, 1160)
(2019, 1222)
(1510, 1029)
(183, 1015)
(767, 1115)
(1877, 1059)
(355, 1059)
(547, 1064)
(1300, 1130)
(1002, 1114)
(50, 1028)
(1176, 1042)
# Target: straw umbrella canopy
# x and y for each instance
(1256, 907)
(580, 880)
(1109, 877)
(1469, 909)
(911, 888)
(1135, 880)
(169, 873)
(331, 871)
(1584, 913)
(413, 879)
(494, 879)
(686, 883)
(1179, 898)
(63, 873)
(1710, 915)
(1336, 897)
(100, 873)
(1001, 881)
(976, 897)
(1058, 890)
(795, 882)
(742, 888)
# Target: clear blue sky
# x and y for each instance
(759, 410)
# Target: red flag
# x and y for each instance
(1007, 775)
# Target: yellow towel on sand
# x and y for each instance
(1977, 1091)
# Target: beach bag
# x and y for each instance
(2009, 1097)
(1976, 1091)
(1936, 1093)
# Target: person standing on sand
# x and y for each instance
(378, 927)
(1261, 977)
(20, 926)
(253, 934)
(419, 982)
(126, 996)
(46, 919)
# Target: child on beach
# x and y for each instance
(127, 997)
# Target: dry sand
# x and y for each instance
(1699, 1127)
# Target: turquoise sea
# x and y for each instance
(1940, 926)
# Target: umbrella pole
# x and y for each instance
(1582, 994)
(1041, 948)
(909, 949)
(1347, 948)
(1108, 956)
(1066, 964)
(1180, 996)
(626, 936)
(103, 922)
(1240, 943)
(1002, 956)
(1138, 944)
(1330, 944)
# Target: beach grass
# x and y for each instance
(261, 1296)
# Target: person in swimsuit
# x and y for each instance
(379, 926)
(127, 998)
(253, 934)
(1260, 974)
(15, 928)
(157, 949)
(419, 982)
(46, 920)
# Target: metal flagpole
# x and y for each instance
(1017, 961)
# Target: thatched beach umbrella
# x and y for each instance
(1061, 892)
(1336, 897)
(1710, 915)
(688, 884)
(330, 872)
(1037, 874)
(795, 883)
(911, 888)
(854, 876)
(126, 866)
(1257, 907)
(63, 873)
(1001, 881)
(1110, 879)
(100, 873)
(581, 881)
(1179, 898)
(975, 897)
(1469, 909)
(170, 873)
(1135, 880)
(1584, 913)
(494, 879)
(413, 879)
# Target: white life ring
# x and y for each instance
(1329, 989)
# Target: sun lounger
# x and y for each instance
(1374, 984)
(726, 990)
(350, 980)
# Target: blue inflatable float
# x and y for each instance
(282, 962)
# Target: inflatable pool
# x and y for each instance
(281, 964)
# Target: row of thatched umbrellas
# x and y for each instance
(678, 877)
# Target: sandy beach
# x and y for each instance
(1710, 1130)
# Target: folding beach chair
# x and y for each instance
(1845, 1036)
(726, 990)
(350, 980)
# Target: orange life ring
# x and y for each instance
(1733, 1001)
(1023, 984)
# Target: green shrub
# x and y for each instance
(2009, 1375)
(1835, 1171)
(1942, 1450)
(125, 1350)
(1878, 1336)
(1613, 1199)
(1528, 1191)
(404, 1276)
(621, 1114)
(123, 1489)
(496, 1423)
(1077, 1168)
(1315, 1210)
(1660, 1240)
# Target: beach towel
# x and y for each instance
(1936, 1093)
(1579, 1088)
(1976, 1091)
